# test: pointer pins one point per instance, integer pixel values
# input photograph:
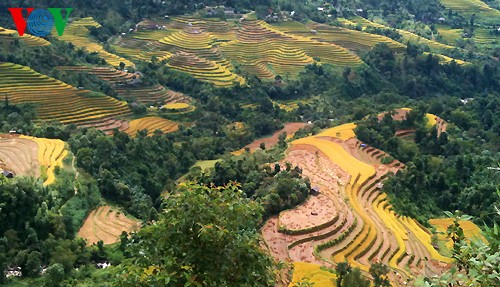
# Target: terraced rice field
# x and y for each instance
(471, 230)
(107, 224)
(153, 95)
(436, 47)
(484, 13)
(59, 101)
(354, 40)
(27, 155)
(357, 223)
(51, 153)
(141, 94)
(432, 120)
(449, 35)
(312, 273)
(207, 49)
(204, 69)
(7, 36)
(151, 124)
(110, 75)
(77, 33)
(19, 155)
(484, 39)
(178, 108)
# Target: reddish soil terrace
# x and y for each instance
(327, 224)
(290, 129)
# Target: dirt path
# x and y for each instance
(77, 174)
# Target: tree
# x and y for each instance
(262, 146)
(281, 139)
(476, 260)
(55, 274)
(355, 279)
(379, 272)
(33, 264)
(342, 269)
(122, 66)
(204, 237)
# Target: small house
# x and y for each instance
(12, 132)
(8, 174)
(315, 190)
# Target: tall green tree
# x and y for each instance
(204, 237)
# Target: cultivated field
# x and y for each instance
(77, 33)
(29, 156)
(107, 224)
(207, 48)
(151, 124)
(312, 272)
(59, 101)
(483, 13)
(436, 47)
(139, 93)
(8, 36)
(19, 155)
(471, 230)
(356, 222)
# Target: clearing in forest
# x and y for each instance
(151, 124)
(107, 224)
(32, 156)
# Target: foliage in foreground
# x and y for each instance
(477, 263)
(204, 237)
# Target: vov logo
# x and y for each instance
(40, 21)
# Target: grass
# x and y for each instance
(206, 164)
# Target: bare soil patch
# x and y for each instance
(106, 223)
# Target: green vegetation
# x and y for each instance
(213, 241)
(329, 63)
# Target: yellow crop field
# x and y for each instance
(151, 124)
(437, 48)
(344, 132)
(207, 49)
(484, 13)
(380, 233)
(176, 106)
(77, 33)
(313, 274)
(7, 35)
(471, 230)
(425, 238)
(339, 155)
(51, 153)
(21, 84)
